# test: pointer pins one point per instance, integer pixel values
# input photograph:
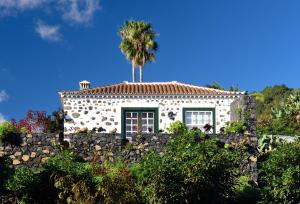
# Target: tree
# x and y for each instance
(215, 85)
(34, 122)
(138, 44)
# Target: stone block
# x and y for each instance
(16, 162)
(25, 157)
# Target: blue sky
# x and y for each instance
(50, 45)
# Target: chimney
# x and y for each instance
(84, 85)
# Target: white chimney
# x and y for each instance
(84, 85)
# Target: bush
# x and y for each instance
(246, 191)
(177, 128)
(235, 127)
(280, 175)
(189, 171)
(23, 183)
(116, 184)
(7, 129)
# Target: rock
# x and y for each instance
(46, 151)
(253, 158)
(113, 131)
(33, 154)
(24, 144)
(75, 115)
(97, 148)
(108, 123)
(110, 154)
(16, 162)
(104, 119)
(67, 107)
(44, 159)
(90, 108)
(12, 157)
(86, 112)
(29, 135)
(18, 154)
(141, 146)
(25, 157)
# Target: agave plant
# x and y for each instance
(268, 143)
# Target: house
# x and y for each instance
(128, 108)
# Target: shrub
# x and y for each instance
(177, 128)
(235, 127)
(246, 191)
(7, 129)
(116, 184)
(189, 171)
(23, 183)
(280, 175)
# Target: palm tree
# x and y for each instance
(138, 44)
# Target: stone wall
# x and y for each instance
(37, 148)
(105, 111)
(245, 108)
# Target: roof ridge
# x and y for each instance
(160, 88)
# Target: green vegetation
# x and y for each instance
(7, 129)
(277, 110)
(138, 44)
(235, 127)
(192, 170)
(177, 127)
(280, 175)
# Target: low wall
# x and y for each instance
(34, 149)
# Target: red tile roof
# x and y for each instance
(151, 88)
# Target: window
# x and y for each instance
(198, 117)
(142, 120)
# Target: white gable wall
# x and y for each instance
(106, 112)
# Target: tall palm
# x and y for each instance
(138, 44)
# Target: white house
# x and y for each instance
(128, 107)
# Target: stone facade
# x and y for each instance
(105, 111)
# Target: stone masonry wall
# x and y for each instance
(244, 108)
(35, 149)
(105, 112)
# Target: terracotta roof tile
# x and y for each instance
(151, 88)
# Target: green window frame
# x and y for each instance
(124, 110)
(213, 110)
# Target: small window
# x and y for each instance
(140, 121)
(198, 118)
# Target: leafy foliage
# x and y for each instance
(34, 122)
(177, 127)
(235, 127)
(138, 44)
(192, 169)
(7, 129)
(280, 175)
(23, 183)
(276, 111)
(117, 185)
(268, 143)
(246, 191)
(215, 85)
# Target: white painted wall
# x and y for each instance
(106, 112)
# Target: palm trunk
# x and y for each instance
(133, 73)
(141, 74)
